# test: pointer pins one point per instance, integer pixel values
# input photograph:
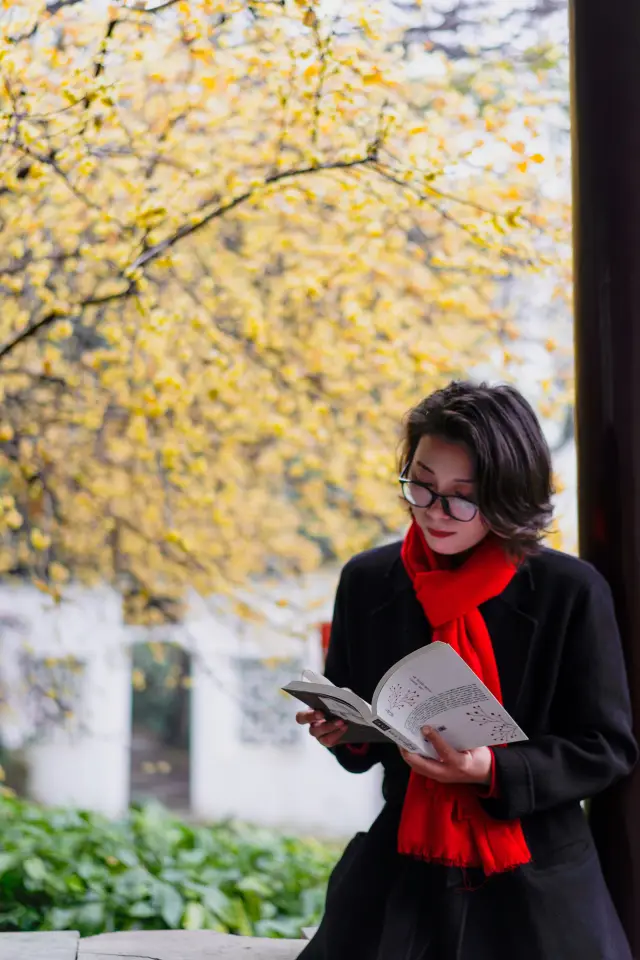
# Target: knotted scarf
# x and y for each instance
(446, 823)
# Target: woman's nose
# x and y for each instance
(436, 509)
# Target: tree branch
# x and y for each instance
(54, 316)
(445, 35)
(568, 432)
(159, 248)
(51, 9)
(190, 228)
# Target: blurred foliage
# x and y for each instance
(61, 869)
(238, 241)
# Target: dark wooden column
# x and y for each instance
(605, 54)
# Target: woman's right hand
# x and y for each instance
(326, 732)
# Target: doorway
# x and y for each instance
(160, 725)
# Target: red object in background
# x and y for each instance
(325, 634)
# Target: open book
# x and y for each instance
(432, 686)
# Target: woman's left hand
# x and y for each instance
(453, 766)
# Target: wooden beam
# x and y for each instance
(605, 67)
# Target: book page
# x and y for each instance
(345, 704)
(339, 701)
(434, 686)
(312, 677)
(356, 732)
(339, 707)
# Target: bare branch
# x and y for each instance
(457, 30)
(52, 8)
(568, 432)
(429, 200)
(161, 6)
(158, 249)
(54, 316)
(188, 229)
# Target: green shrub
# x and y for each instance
(62, 869)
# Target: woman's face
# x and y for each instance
(446, 468)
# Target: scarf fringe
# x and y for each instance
(469, 884)
(460, 864)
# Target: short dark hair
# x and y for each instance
(511, 456)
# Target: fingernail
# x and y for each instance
(427, 731)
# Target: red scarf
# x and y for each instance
(446, 823)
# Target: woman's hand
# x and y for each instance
(326, 732)
(453, 766)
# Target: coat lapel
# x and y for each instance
(400, 626)
(512, 632)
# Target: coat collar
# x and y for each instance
(509, 617)
(518, 595)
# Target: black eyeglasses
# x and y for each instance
(421, 495)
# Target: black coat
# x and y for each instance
(563, 679)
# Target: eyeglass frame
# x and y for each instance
(442, 497)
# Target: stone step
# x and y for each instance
(184, 945)
(39, 946)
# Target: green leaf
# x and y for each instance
(192, 857)
(75, 884)
(7, 862)
(238, 918)
(70, 870)
(256, 885)
(35, 868)
(141, 910)
(89, 918)
(170, 905)
(127, 857)
(289, 928)
(217, 901)
(194, 916)
(60, 919)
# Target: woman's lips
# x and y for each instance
(439, 533)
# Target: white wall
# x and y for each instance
(85, 761)
(299, 786)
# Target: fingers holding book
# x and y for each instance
(452, 766)
(326, 732)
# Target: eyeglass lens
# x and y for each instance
(456, 507)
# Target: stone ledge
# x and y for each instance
(185, 945)
(61, 945)
(145, 945)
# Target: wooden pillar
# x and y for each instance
(605, 60)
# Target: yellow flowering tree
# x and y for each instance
(238, 239)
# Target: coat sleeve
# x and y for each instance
(338, 668)
(592, 744)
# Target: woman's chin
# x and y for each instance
(454, 544)
(448, 546)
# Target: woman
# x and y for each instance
(485, 854)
